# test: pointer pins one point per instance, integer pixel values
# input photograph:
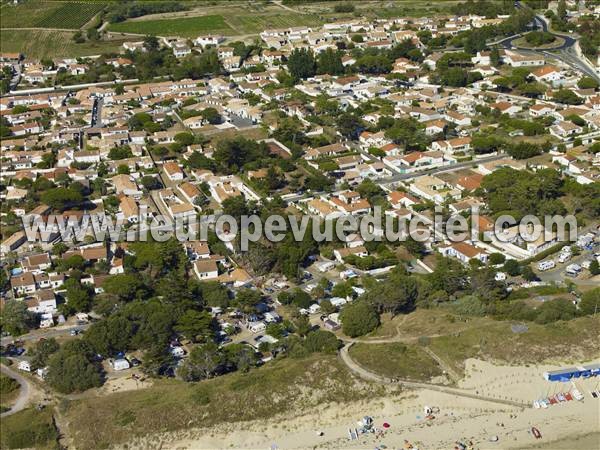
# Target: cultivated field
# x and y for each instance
(44, 14)
(258, 23)
(186, 27)
(45, 43)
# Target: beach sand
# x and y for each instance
(459, 419)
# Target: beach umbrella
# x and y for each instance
(386, 425)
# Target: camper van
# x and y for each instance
(546, 265)
(573, 270)
(326, 266)
(256, 327)
(120, 364)
(564, 257)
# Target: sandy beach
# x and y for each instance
(572, 424)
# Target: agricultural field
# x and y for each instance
(186, 27)
(246, 24)
(44, 14)
(45, 43)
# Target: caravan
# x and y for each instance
(546, 265)
(573, 270)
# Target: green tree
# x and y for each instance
(184, 138)
(330, 62)
(555, 310)
(79, 296)
(359, 318)
(587, 83)
(195, 325)
(595, 267)
(41, 352)
(14, 318)
(301, 64)
(124, 286)
(204, 361)
(61, 198)
(590, 302)
(497, 258)
(512, 267)
(561, 11)
(567, 96)
(71, 368)
(211, 115)
(150, 182)
(242, 357)
(321, 341)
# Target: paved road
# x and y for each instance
(23, 397)
(97, 113)
(452, 168)
(370, 376)
(14, 81)
(44, 334)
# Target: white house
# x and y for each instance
(206, 269)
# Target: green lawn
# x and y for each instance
(285, 386)
(187, 27)
(44, 43)
(43, 14)
(396, 361)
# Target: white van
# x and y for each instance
(546, 265)
(325, 266)
(564, 257)
(256, 327)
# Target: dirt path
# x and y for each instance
(24, 394)
(445, 366)
(370, 376)
(297, 11)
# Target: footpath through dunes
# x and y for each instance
(371, 376)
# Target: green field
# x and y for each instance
(188, 26)
(396, 360)
(255, 23)
(44, 43)
(41, 14)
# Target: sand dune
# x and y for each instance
(459, 419)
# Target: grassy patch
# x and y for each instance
(45, 43)
(255, 23)
(188, 26)
(396, 361)
(278, 388)
(9, 390)
(39, 14)
(29, 429)
(560, 341)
